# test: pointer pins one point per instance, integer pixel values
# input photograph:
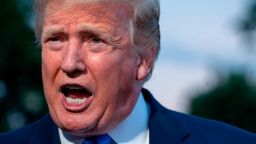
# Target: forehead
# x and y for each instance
(82, 9)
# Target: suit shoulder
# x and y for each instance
(191, 129)
(214, 131)
(26, 133)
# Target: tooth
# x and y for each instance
(75, 100)
(68, 99)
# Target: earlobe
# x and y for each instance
(143, 69)
(145, 63)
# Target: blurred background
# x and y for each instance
(207, 64)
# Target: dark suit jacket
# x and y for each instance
(165, 127)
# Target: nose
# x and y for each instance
(72, 63)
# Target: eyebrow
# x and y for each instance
(83, 28)
(98, 30)
(47, 31)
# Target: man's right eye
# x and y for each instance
(55, 43)
(54, 39)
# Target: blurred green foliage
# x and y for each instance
(249, 21)
(232, 100)
(247, 26)
(20, 74)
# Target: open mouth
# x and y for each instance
(75, 96)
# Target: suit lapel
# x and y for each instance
(163, 125)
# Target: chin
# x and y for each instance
(75, 124)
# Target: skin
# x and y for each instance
(89, 44)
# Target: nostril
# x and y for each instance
(74, 73)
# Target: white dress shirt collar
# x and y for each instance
(133, 130)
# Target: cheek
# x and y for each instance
(50, 68)
(115, 72)
(50, 65)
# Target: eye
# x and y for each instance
(96, 40)
(54, 42)
(97, 44)
(53, 39)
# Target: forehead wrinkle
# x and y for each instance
(79, 12)
(92, 28)
(85, 19)
(99, 10)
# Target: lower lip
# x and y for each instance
(75, 107)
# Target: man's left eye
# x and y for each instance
(96, 40)
(97, 44)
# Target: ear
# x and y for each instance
(145, 64)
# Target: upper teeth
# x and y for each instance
(75, 100)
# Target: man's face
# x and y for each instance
(91, 73)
